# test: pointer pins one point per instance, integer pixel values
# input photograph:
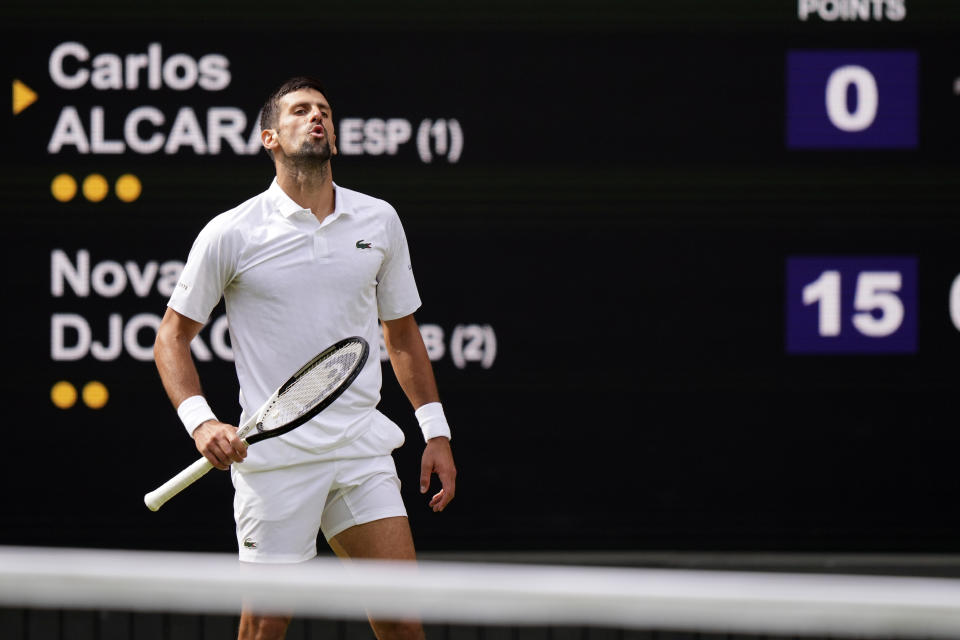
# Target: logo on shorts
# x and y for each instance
(363, 245)
(249, 543)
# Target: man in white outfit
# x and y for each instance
(301, 266)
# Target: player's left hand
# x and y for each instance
(438, 458)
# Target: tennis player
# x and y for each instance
(301, 266)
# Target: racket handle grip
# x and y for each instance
(156, 498)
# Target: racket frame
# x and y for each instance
(253, 423)
(159, 496)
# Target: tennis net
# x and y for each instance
(462, 597)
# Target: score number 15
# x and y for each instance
(875, 293)
(876, 296)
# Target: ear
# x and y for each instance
(333, 143)
(268, 138)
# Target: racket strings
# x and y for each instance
(313, 386)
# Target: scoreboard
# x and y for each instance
(689, 268)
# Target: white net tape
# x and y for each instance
(476, 593)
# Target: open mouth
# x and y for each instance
(317, 131)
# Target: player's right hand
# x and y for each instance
(218, 442)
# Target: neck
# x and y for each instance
(309, 187)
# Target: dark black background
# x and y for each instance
(621, 215)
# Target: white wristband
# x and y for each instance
(193, 412)
(432, 421)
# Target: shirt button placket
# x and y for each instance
(319, 244)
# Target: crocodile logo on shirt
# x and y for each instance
(250, 543)
(363, 245)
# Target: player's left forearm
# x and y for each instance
(408, 355)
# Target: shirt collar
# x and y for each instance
(287, 207)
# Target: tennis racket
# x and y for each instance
(308, 392)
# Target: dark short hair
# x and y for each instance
(268, 117)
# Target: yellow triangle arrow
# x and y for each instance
(23, 96)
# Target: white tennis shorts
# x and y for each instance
(280, 512)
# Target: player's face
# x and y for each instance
(305, 126)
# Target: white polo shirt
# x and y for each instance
(292, 287)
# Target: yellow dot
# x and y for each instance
(95, 395)
(63, 187)
(63, 394)
(128, 187)
(95, 187)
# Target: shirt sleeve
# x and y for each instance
(397, 294)
(209, 268)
